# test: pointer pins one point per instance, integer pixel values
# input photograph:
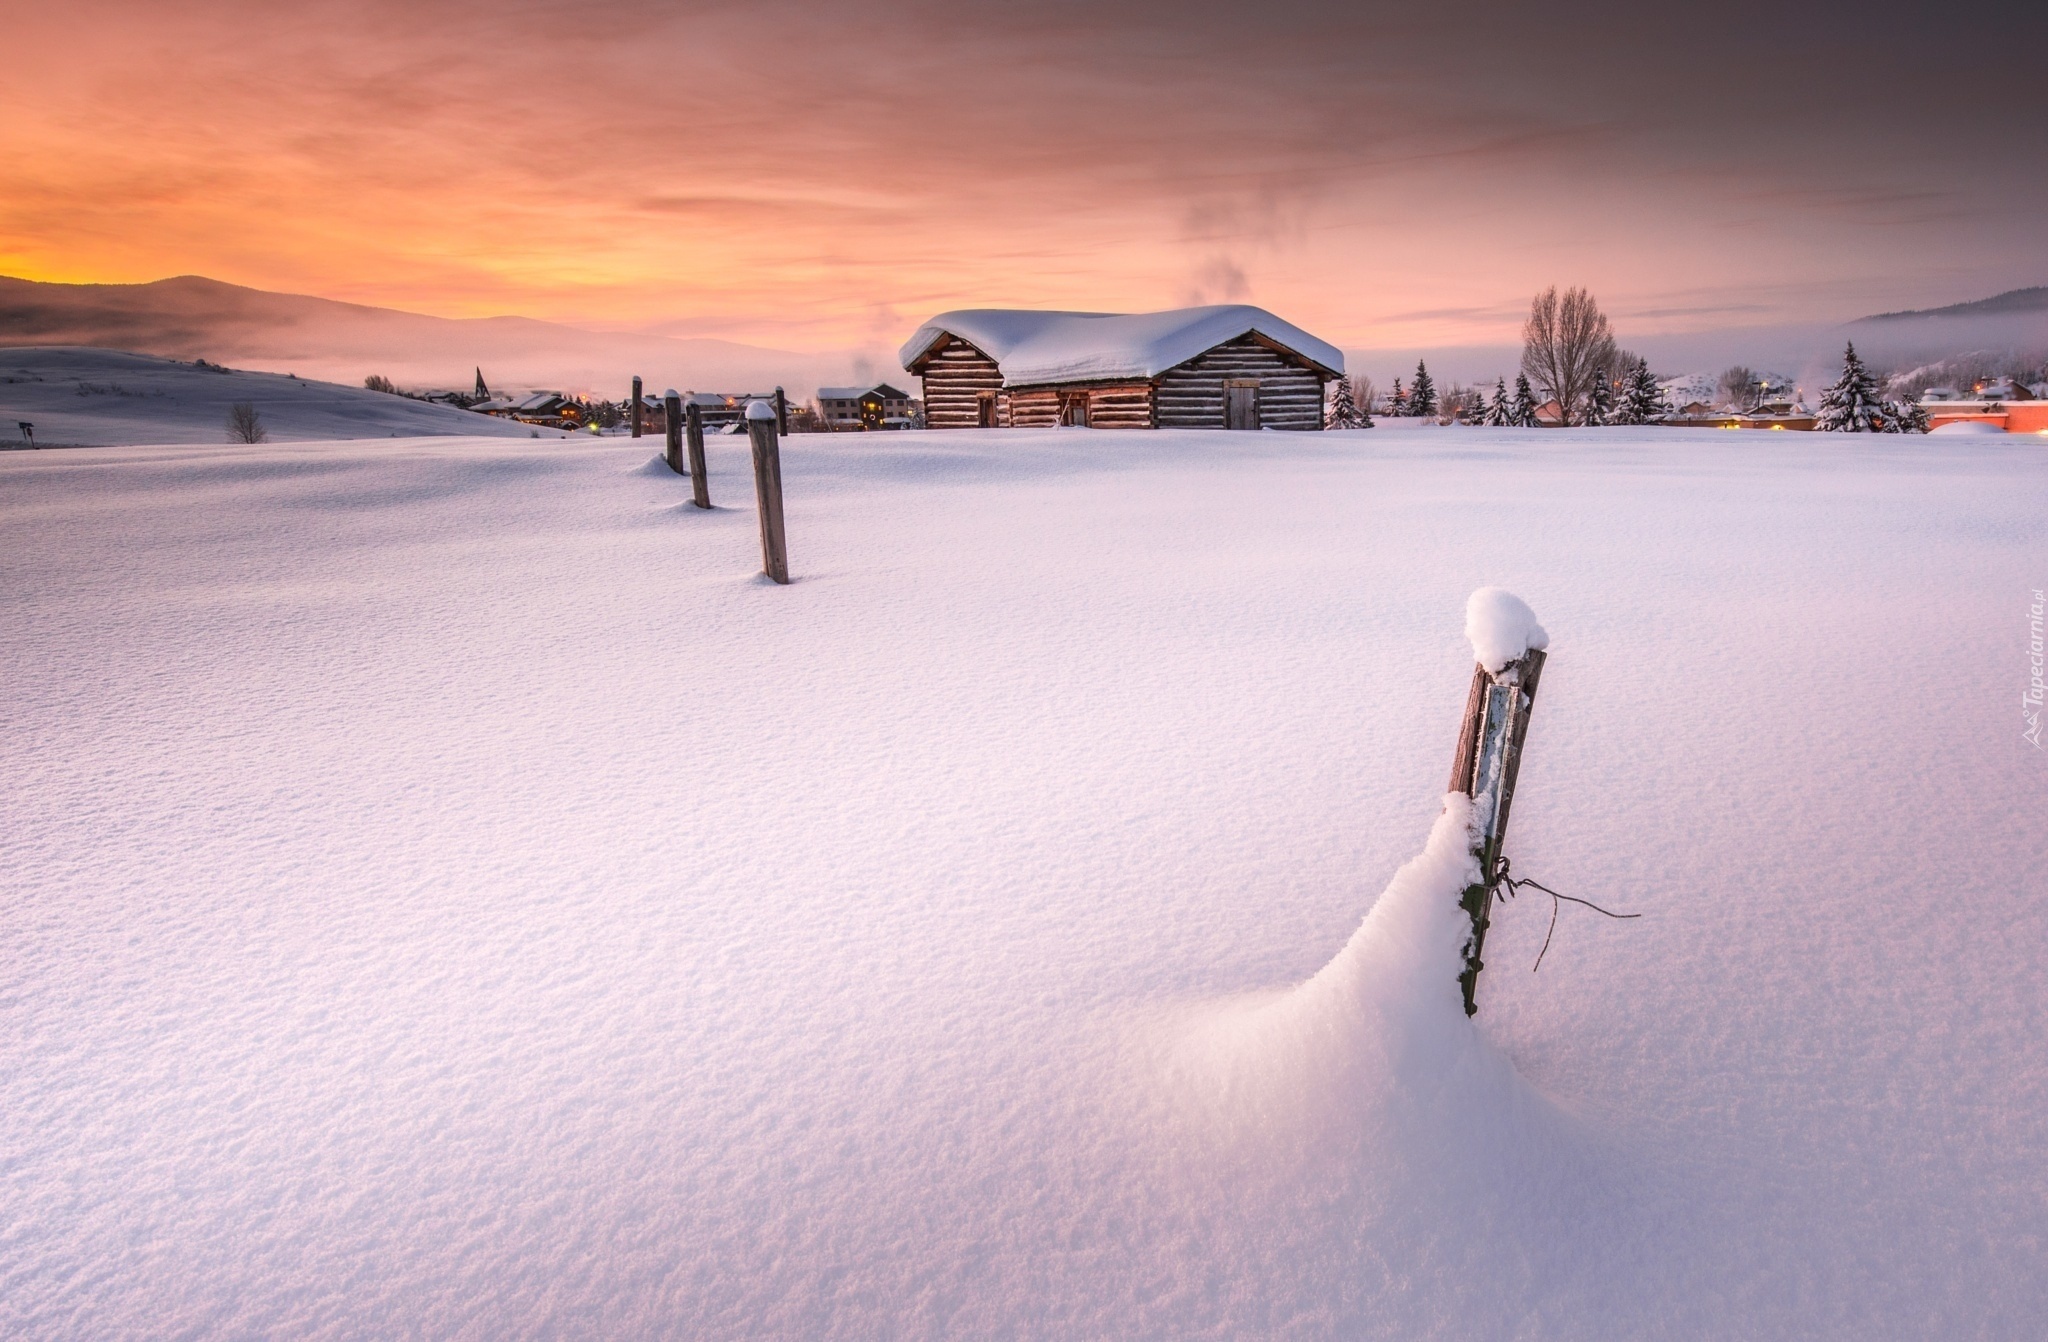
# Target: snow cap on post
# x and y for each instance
(1502, 627)
(671, 395)
(760, 410)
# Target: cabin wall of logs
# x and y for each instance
(958, 381)
(963, 389)
(1288, 396)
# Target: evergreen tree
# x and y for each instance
(1599, 409)
(1422, 401)
(1642, 400)
(1851, 404)
(1497, 413)
(1397, 404)
(1344, 412)
(1522, 410)
(1904, 416)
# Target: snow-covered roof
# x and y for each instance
(1038, 347)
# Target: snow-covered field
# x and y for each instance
(81, 397)
(447, 893)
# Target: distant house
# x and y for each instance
(540, 407)
(1701, 415)
(2014, 414)
(1551, 415)
(1780, 411)
(1230, 367)
(855, 408)
(2002, 389)
(721, 412)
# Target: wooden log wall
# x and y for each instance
(1032, 408)
(1190, 396)
(955, 376)
(1120, 407)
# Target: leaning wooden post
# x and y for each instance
(693, 433)
(768, 489)
(1489, 757)
(781, 413)
(672, 412)
(636, 407)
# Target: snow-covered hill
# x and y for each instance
(193, 317)
(76, 396)
(448, 893)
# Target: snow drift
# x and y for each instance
(1379, 1035)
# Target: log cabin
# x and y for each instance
(1229, 367)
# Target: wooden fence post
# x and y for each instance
(768, 489)
(693, 432)
(672, 413)
(636, 407)
(781, 413)
(1489, 756)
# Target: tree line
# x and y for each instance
(1571, 360)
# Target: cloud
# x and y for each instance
(806, 173)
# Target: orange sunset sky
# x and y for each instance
(810, 175)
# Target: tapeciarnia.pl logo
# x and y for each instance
(2030, 702)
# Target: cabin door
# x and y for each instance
(985, 410)
(1241, 403)
(1074, 409)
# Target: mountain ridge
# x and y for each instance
(2032, 299)
(193, 316)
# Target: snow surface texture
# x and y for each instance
(1969, 428)
(449, 893)
(1037, 347)
(80, 397)
(1501, 627)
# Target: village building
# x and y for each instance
(1780, 411)
(550, 408)
(1701, 415)
(2013, 415)
(1229, 367)
(881, 406)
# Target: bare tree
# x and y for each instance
(1738, 387)
(244, 424)
(379, 382)
(1565, 344)
(1363, 392)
